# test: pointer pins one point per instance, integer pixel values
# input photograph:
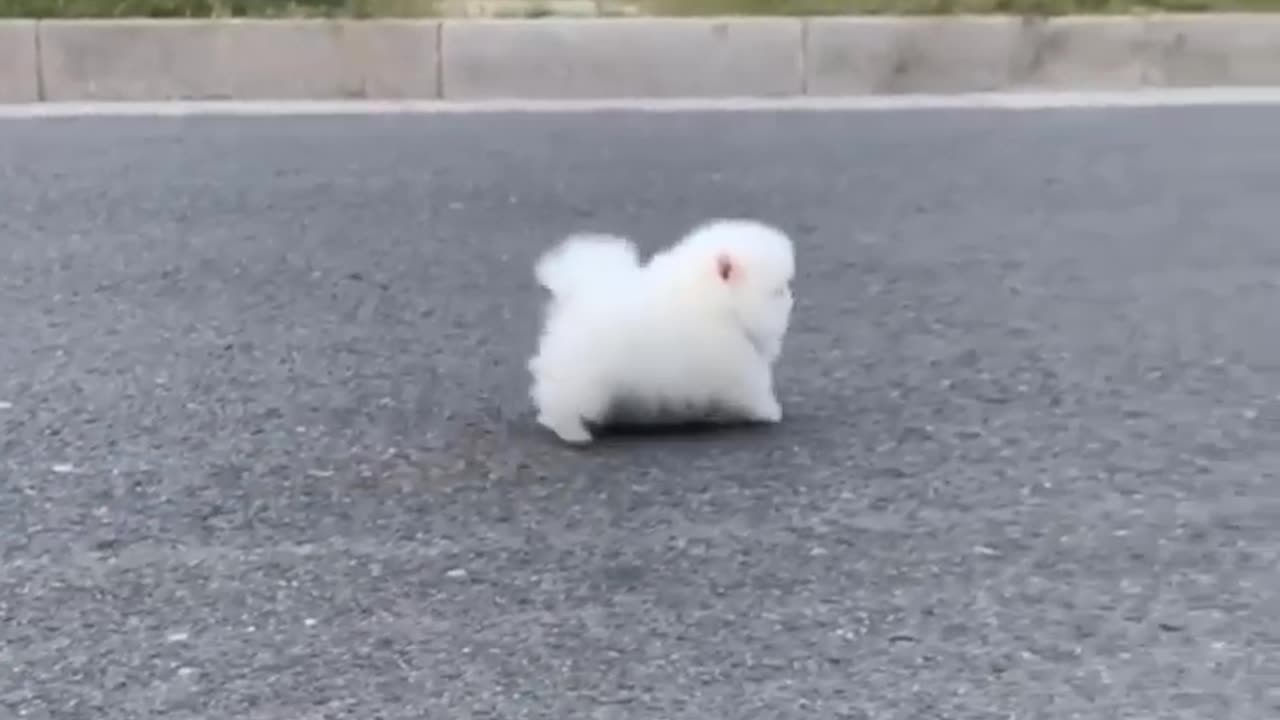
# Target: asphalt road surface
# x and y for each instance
(267, 452)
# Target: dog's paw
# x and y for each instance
(573, 433)
(768, 412)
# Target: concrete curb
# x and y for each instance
(149, 60)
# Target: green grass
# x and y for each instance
(942, 7)
(429, 8)
(215, 8)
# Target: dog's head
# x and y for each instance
(751, 265)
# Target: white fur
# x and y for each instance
(671, 340)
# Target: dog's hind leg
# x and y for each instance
(569, 429)
(567, 404)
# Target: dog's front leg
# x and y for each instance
(755, 394)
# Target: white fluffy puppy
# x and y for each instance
(692, 335)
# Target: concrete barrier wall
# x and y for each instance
(250, 59)
(1190, 50)
(635, 57)
(19, 62)
(973, 54)
(642, 57)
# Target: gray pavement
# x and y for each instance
(267, 453)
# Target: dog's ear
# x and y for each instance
(727, 268)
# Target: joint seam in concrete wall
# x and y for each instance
(440, 94)
(804, 56)
(40, 91)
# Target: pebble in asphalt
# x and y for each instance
(267, 453)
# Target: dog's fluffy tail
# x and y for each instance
(585, 263)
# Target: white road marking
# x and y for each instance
(1181, 97)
